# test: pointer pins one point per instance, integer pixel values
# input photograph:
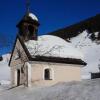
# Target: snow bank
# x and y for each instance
(48, 45)
(87, 76)
(6, 57)
(4, 71)
(5, 82)
(86, 90)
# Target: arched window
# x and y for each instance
(47, 74)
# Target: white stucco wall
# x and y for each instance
(60, 73)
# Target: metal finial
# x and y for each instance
(27, 6)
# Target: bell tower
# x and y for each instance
(28, 26)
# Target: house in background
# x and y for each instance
(42, 60)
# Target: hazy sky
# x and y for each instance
(52, 14)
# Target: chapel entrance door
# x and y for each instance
(18, 77)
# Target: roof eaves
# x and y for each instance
(59, 60)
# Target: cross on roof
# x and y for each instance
(27, 6)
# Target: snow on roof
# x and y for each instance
(52, 46)
(33, 16)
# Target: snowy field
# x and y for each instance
(86, 90)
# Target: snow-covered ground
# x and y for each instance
(86, 90)
(91, 52)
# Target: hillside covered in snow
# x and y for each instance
(91, 51)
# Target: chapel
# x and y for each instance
(42, 60)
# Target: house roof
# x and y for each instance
(45, 58)
(58, 60)
(53, 46)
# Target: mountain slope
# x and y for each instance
(90, 49)
(91, 24)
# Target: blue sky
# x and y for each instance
(52, 15)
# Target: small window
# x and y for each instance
(47, 74)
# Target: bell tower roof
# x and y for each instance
(32, 16)
(29, 18)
